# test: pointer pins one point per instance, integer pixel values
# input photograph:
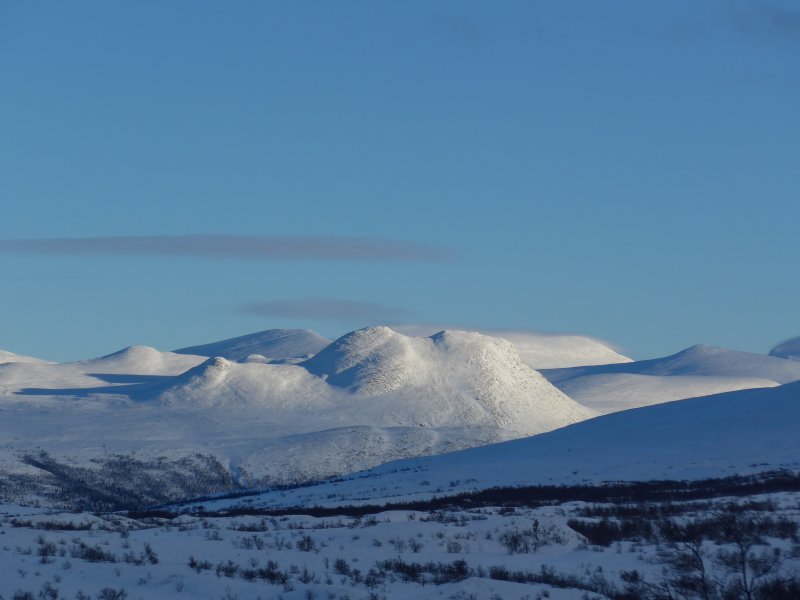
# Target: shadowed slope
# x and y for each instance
(274, 344)
(741, 432)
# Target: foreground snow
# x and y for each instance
(486, 553)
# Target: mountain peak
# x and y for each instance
(132, 352)
(789, 349)
(273, 344)
(9, 357)
(373, 360)
(702, 349)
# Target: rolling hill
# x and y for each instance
(272, 344)
(373, 395)
(748, 431)
(697, 371)
(541, 350)
(789, 349)
(8, 357)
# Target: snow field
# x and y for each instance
(470, 554)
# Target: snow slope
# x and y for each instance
(714, 436)
(486, 553)
(371, 396)
(696, 371)
(272, 344)
(542, 350)
(789, 349)
(133, 365)
(7, 357)
(452, 378)
(378, 377)
(607, 393)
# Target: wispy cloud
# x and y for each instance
(768, 19)
(324, 309)
(231, 246)
(461, 28)
(761, 21)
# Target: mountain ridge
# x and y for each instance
(699, 370)
(279, 421)
(272, 344)
(789, 349)
(677, 441)
(539, 350)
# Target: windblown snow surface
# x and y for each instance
(739, 432)
(373, 395)
(697, 371)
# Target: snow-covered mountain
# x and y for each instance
(697, 371)
(541, 350)
(789, 349)
(740, 432)
(128, 367)
(377, 377)
(373, 395)
(7, 357)
(449, 379)
(272, 344)
(706, 361)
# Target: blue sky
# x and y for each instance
(625, 170)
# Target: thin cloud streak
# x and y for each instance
(324, 309)
(231, 246)
(752, 21)
(770, 20)
(462, 29)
